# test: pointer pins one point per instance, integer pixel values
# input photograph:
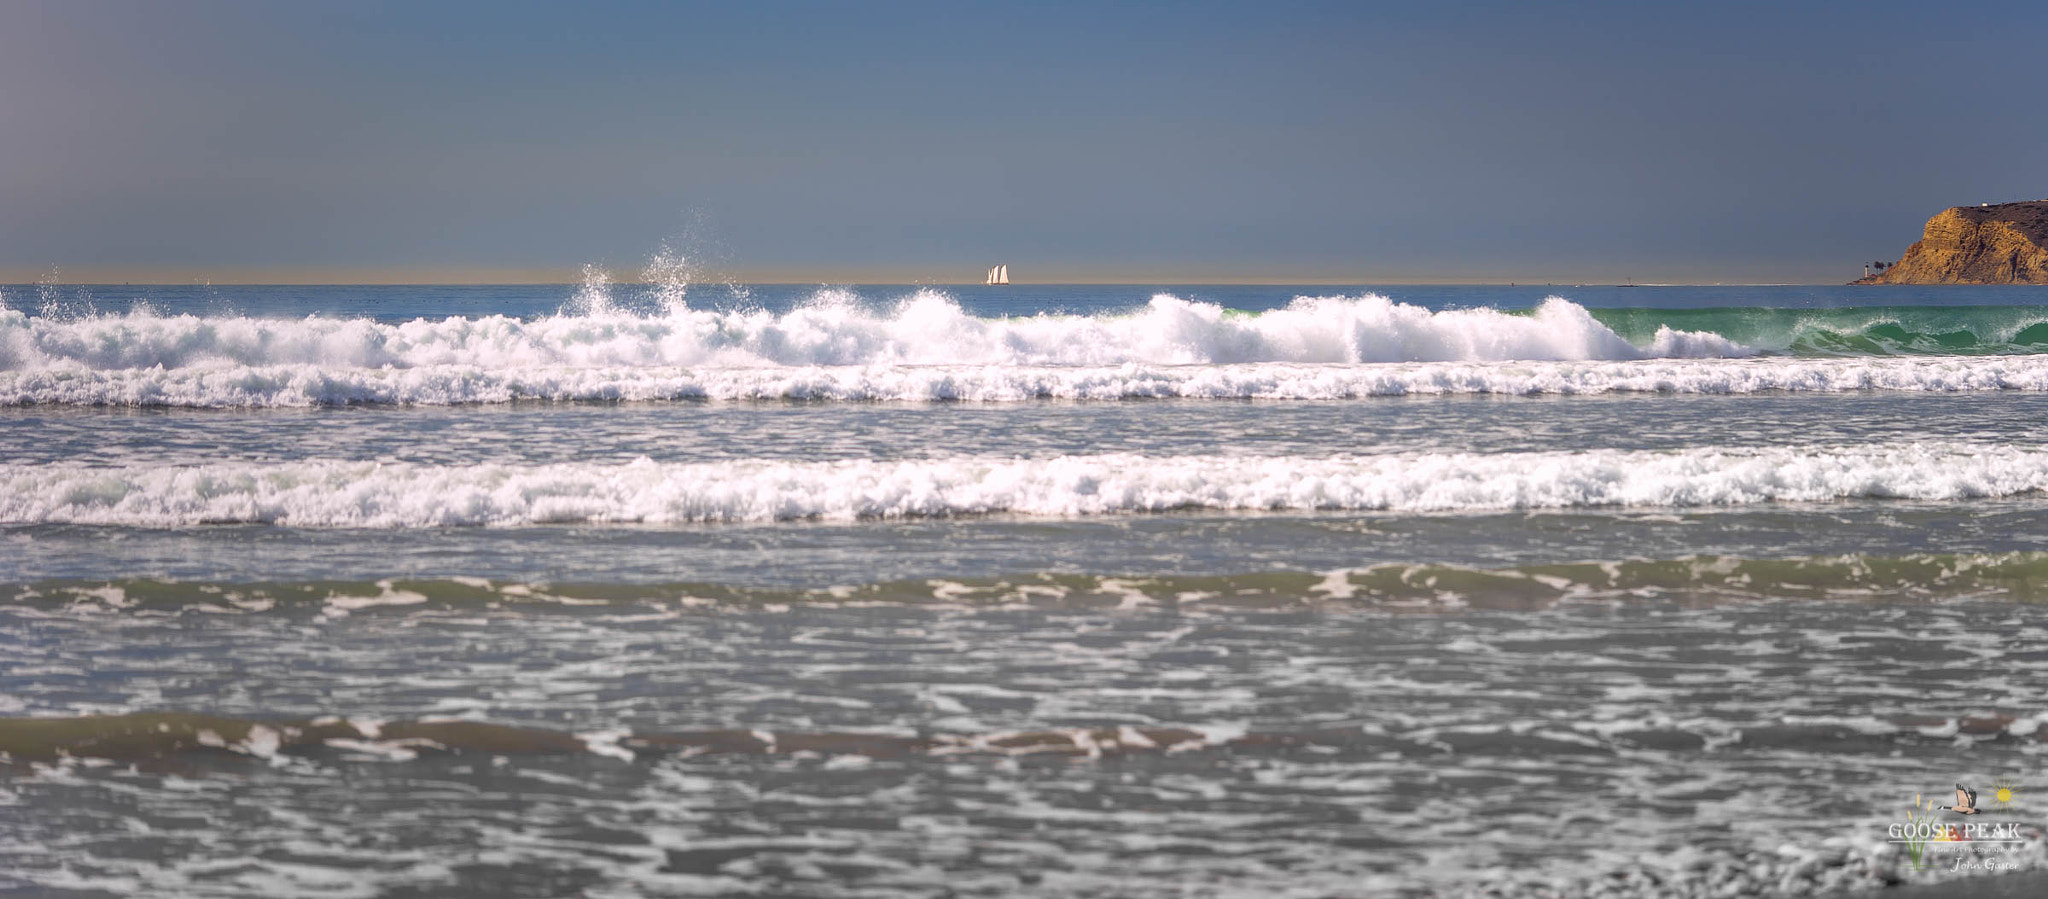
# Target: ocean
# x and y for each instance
(701, 589)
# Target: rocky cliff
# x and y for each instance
(2002, 244)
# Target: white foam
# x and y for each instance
(359, 494)
(835, 328)
(606, 743)
(240, 386)
(339, 606)
(924, 348)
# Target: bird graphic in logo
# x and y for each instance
(1966, 801)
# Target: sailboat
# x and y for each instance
(999, 275)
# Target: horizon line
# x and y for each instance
(1214, 282)
(457, 276)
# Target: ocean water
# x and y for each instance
(1110, 591)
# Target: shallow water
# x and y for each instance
(958, 592)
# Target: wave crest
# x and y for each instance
(835, 329)
(377, 495)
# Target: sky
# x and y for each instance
(922, 142)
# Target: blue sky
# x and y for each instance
(1077, 141)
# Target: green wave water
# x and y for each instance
(1851, 330)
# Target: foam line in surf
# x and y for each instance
(137, 736)
(150, 735)
(455, 384)
(2014, 576)
(403, 495)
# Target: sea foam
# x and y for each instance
(834, 347)
(835, 329)
(924, 349)
(237, 386)
(381, 495)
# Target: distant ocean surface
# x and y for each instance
(1097, 591)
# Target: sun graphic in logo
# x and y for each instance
(2003, 792)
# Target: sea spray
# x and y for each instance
(593, 296)
(668, 276)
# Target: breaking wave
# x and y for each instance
(404, 495)
(836, 329)
(834, 347)
(928, 349)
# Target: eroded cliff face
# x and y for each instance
(2002, 244)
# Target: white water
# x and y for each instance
(142, 357)
(234, 386)
(365, 494)
(925, 349)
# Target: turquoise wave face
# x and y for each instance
(1849, 331)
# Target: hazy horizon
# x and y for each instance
(399, 279)
(240, 142)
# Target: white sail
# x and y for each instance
(999, 275)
